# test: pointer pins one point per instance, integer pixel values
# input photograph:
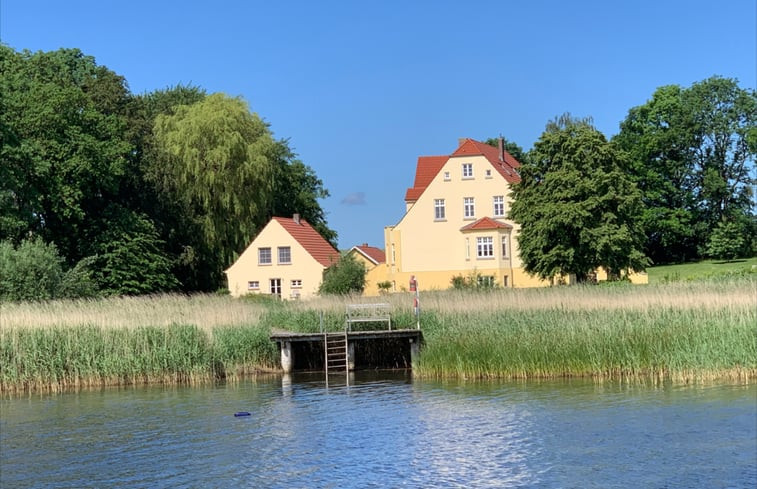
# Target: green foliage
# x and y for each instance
(34, 271)
(726, 241)
(385, 286)
(346, 276)
(577, 208)
(692, 151)
(473, 281)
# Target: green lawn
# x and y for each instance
(700, 270)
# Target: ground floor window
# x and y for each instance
(486, 280)
(296, 284)
(253, 285)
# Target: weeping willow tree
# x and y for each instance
(217, 161)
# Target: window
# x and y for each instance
(392, 253)
(264, 256)
(486, 280)
(504, 246)
(504, 281)
(285, 254)
(446, 176)
(439, 213)
(488, 173)
(469, 208)
(467, 170)
(499, 205)
(467, 249)
(253, 285)
(296, 283)
(485, 247)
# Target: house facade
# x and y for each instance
(286, 259)
(373, 259)
(456, 222)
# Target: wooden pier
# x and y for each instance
(348, 350)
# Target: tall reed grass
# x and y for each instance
(679, 330)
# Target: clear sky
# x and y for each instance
(361, 89)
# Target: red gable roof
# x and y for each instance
(429, 166)
(485, 224)
(374, 254)
(506, 168)
(314, 243)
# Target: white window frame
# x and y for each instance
(499, 205)
(253, 285)
(440, 212)
(446, 176)
(288, 251)
(296, 283)
(469, 207)
(484, 247)
(467, 171)
(488, 173)
(505, 247)
(265, 252)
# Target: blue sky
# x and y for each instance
(361, 89)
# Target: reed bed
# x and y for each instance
(680, 331)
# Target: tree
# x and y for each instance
(346, 276)
(726, 241)
(217, 161)
(296, 190)
(692, 151)
(64, 152)
(575, 204)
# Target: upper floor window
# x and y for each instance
(285, 254)
(485, 247)
(488, 173)
(446, 176)
(499, 205)
(467, 170)
(469, 207)
(264, 256)
(439, 213)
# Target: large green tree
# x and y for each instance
(218, 163)
(577, 207)
(692, 152)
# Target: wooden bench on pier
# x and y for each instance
(368, 313)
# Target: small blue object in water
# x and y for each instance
(241, 413)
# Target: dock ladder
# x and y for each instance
(335, 348)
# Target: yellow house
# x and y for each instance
(373, 260)
(286, 259)
(456, 224)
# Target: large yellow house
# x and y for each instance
(456, 225)
(286, 259)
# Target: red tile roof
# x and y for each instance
(425, 171)
(314, 243)
(376, 255)
(506, 168)
(485, 224)
(429, 166)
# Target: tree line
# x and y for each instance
(105, 192)
(675, 184)
(122, 193)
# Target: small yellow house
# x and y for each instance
(372, 259)
(286, 259)
(456, 224)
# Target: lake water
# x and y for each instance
(383, 430)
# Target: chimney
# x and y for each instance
(296, 218)
(501, 147)
(460, 141)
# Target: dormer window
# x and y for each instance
(467, 170)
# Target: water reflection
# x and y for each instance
(383, 430)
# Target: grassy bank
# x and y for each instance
(682, 331)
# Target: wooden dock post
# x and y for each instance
(287, 357)
(350, 356)
(415, 350)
